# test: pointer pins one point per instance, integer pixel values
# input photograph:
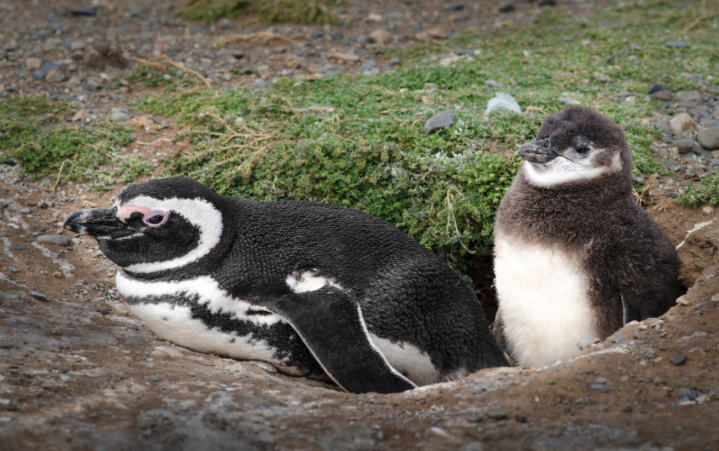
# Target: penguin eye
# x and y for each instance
(155, 219)
(583, 150)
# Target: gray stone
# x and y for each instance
(442, 120)
(55, 76)
(493, 84)
(664, 126)
(656, 87)
(506, 7)
(709, 138)
(685, 145)
(663, 95)
(45, 69)
(496, 414)
(675, 44)
(45, 183)
(260, 84)
(599, 387)
(461, 52)
(672, 195)
(474, 446)
(678, 359)
(585, 342)
(692, 96)
(38, 296)
(59, 240)
(119, 116)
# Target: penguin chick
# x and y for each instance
(574, 254)
(311, 288)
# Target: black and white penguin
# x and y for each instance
(306, 286)
(574, 254)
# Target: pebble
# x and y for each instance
(675, 44)
(682, 122)
(461, 52)
(678, 359)
(439, 121)
(505, 7)
(496, 414)
(567, 101)
(380, 36)
(119, 116)
(55, 76)
(709, 138)
(135, 341)
(673, 165)
(38, 296)
(672, 195)
(260, 84)
(599, 387)
(656, 87)
(585, 342)
(602, 77)
(546, 3)
(474, 446)
(493, 84)
(685, 145)
(88, 12)
(236, 54)
(33, 63)
(59, 240)
(692, 96)
(346, 57)
(663, 95)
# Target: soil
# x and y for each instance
(77, 371)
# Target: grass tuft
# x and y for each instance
(270, 11)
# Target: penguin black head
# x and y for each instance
(155, 226)
(576, 146)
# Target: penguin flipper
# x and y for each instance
(631, 313)
(330, 323)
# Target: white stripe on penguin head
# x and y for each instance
(198, 212)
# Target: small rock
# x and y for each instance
(475, 418)
(709, 138)
(380, 36)
(163, 352)
(675, 44)
(101, 56)
(673, 166)
(461, 52)
(520, 418)
(692, 96)
(635, 46)
(236, 54)
(546, 3)
(672, 195)
(653, 89)
(715, 298)
(81, 116)
(33, 63)
(436, 33)
(45, 183)
(496, 414)
(599, 387)
(119, 116)
(505, 7)
(442, 120)
(585, 342)
(135, 341)
(455, 7)
(663, 95)
(88, 12)
(567, 101)
(678, 359)
(346, 57)
(682, 122)
(682, 300)
(627, 407)
(55, 76)
(439, 431)
(493, 84)
(38, 296)
(103, 309)
(602, 77)
(58, 240)
(260, 84)
(685, 145)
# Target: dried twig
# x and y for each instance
(698, 20)
(154, 143)
(251, 38)
(186, 69)
(59, 174)
(395, 111)
(147, 63)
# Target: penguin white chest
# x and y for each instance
(544, 301)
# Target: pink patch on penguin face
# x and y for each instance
(151, 218)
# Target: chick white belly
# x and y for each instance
(543, 301)
(175, 323)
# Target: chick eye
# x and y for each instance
(155, 219)
(583, 150)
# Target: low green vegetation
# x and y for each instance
(33, 133)
(706, 191)
(270, 11)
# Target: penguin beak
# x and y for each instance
(94, 222)
(540, 152)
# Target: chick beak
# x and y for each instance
(540, 152)
(95, 222)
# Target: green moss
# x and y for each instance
(41, 144)
(270, 11)
(706, 191)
